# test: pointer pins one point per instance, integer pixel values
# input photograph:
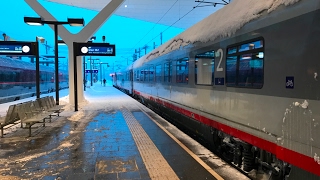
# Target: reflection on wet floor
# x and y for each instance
(103, 149)
(109, 138)
(96, 143)
(26, 144)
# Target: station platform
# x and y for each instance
(112, 136)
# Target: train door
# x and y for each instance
(131, 81)
(219, 70)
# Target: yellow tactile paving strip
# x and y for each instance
(203, 164)
(157, 166)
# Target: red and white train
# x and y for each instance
(18, 79)
(246, 82)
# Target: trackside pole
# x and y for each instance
(75, 77)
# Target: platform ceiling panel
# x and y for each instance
(177, 13)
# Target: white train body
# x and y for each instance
(252, 94)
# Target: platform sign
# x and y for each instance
(95, 49)
(88, 49)
(21, 48)
(17, 48)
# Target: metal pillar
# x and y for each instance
(100, 73)
(84, 73)
(56, 65)
(37, 70)
(75, 78)
(91, 70)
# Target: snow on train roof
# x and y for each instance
(13, 63)
(223, 23)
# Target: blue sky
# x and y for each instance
(126, 33)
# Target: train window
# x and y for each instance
(204, 68)
(251, 70)
(131, 75)
(231, 71)
(158, 73)
(146, 75)
(136, 74)
(245, 67)
(120, 78)
(182, 70)
(167, 72)
(151, 74)
(250, 46)
(141, 75)
(232, 50)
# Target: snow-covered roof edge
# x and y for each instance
(217, 25)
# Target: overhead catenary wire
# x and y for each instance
(155, 24)
(174, 23)
(200, 2)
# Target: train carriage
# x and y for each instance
(252, 94)
(18, 79)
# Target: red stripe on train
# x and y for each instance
(302, 161)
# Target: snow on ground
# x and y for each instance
(99, 97)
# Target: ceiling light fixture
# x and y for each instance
(214, 4)
(39, 21)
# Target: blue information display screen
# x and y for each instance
(91, 71)
(16, 48)
(100, 50)
(96, 49)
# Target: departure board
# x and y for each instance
(96, 49)
(16, 48)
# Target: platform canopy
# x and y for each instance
(178, 13)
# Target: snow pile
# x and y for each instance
(76, 116)
(66, 144)
(11, 128)
(223, 23)
(30, 157)
(303, 105)
(316, 158)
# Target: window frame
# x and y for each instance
(151, 73)
(196, 69)
(186, 59)
(167, 78)
(238, 55)
(158, 78)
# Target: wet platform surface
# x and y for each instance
(111, 137)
